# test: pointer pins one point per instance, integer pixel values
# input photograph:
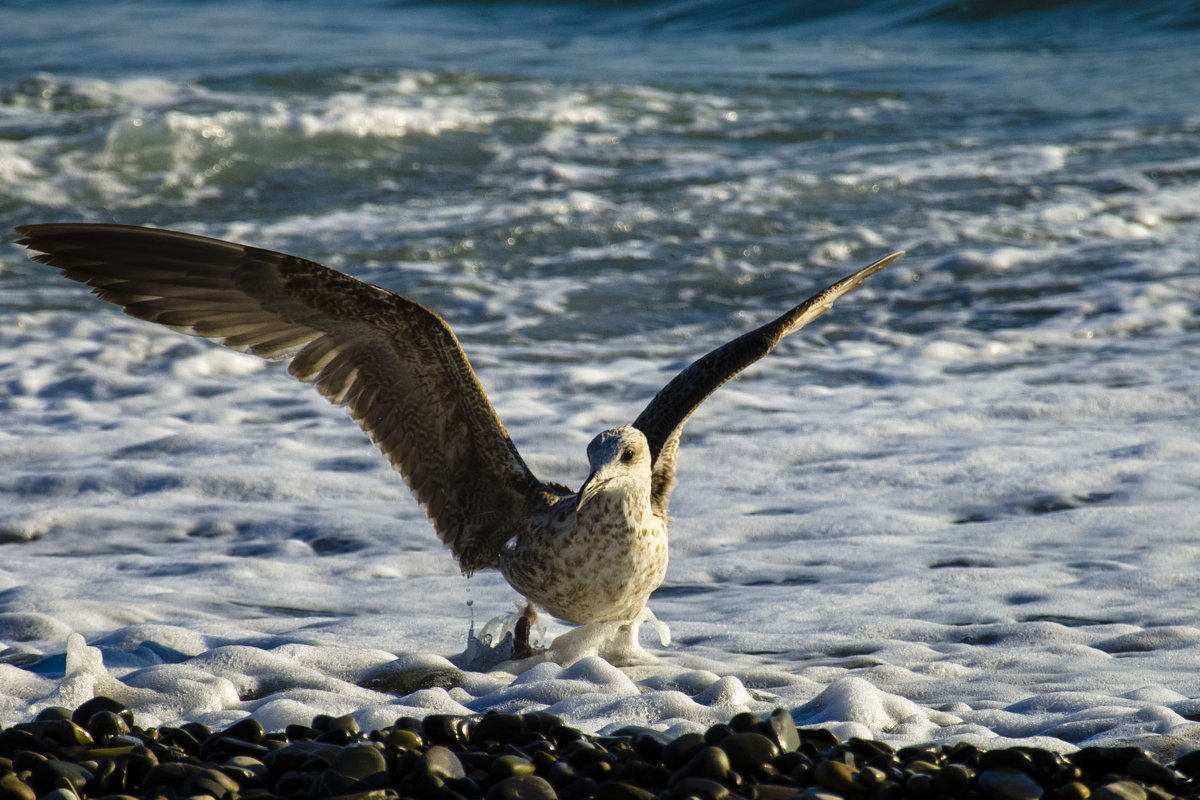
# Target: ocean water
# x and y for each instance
(962, 506)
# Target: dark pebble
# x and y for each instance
(709, 762)
(1120, 790)
(210, 782)
(401, 679)
(578, 789)
(1106, 759)
(523, 787)
(499, 728)
(14, 740)
(13, 788)
(619, 790)
(748, 751)
(104, 725)
(781, 728)
(1152, 772)
(677, 753)
(1189, 764)
(1008, 758)
(445, 729)
(60, 794)
(359, 762)
(1005, 783)
(82, 716)
(56, 712)
(247, 730)
(508, 766)
(1073, 790)
(953, 779)
(702, 788)
(96, 753)
(837, 777)
(441, 762)
(52, 774)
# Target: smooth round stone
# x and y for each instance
(84, 713)
(401, 678)
(716, 733)
(402, 739)
(13, 788)
(104, 725)
(172, 774)
(953, 779)
(781, 728)
(1120, 790)
(646, 774)
(1189, 763)
(703, 788)
(775, 791)
(506, 766)
(819, 739)
(744, 721)
(138, 765)
(441, 762)
(55, 712)
(816, 793)
(500, 728)
(678, 752)
(359, 762)
(1009, 784)
(836, 777)
(619, 790)
(1072, 791)
(1107, 759)
(1152, 772)
(210, 782)
(295, 755)
(522, 787)
(246, 730)
(709, 762)
(748, 750)
(60, 794)
(578, 789)
(250, 767)
(14, 740)
(47, 775)
(920, 785)
(345, 723)
(444, 729)
(61, 731)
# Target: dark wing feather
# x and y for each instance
(663, 419)
(396, 365)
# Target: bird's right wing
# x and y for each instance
(396, 365)
(663, 419)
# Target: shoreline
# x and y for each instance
(98, 751)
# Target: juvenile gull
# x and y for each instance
(589, 556)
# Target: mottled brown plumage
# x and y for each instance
(595, 555)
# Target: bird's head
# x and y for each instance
(620, 460)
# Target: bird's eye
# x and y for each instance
(627, 456)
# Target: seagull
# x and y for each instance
(589, 556)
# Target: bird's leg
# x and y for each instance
(521, 647)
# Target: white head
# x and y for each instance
(620, 460)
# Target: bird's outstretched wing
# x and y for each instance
(395, 365)
(663, 419)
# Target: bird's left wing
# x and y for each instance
(663, 419)
(396, 365)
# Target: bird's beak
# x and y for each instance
(589, 489)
